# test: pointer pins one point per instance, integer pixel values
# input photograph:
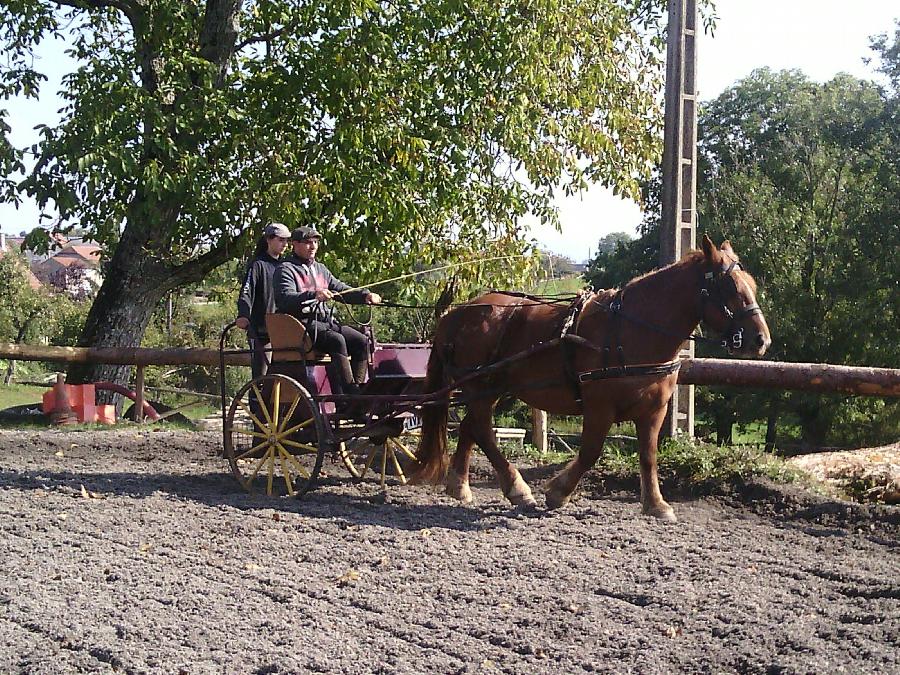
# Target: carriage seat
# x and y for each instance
(290, 341)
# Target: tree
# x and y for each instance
(803, 178)
(795, 173)
(23, 309)
(402, 129)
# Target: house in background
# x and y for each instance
(74, 269)
(71, 266)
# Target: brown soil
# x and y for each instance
(136, 551)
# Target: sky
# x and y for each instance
(819, 37)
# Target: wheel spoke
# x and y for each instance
(384, 454)
(255, 419)
(262, 404)
(397, 467)
(256, 447)
(290, 413)
(256, 469)
(302, 446)
(248, 432)
(406, 451)
(271, 472)
(301, 470)
(296, 427)
(286, 469)
(276, 404)
(369, 460)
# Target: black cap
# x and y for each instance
(305, 232)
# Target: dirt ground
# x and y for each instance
(136, 551)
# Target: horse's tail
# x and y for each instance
(432, 450)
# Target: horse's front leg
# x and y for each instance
(458, 474)
(652, 502)
(558, 490)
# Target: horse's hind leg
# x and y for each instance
(458, 474)
(514, 487)
(558, 490)
(652, 502)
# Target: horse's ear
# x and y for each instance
(709, 248)
(726, 246)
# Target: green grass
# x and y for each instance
(565, 286)
(20, 394)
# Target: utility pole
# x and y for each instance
(679, 175)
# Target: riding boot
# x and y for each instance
(348, 381)
(353, 409)
(360, 371)
(335, 377)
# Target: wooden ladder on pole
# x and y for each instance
(679, 198)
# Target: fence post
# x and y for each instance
(539, 429)
(139, 395)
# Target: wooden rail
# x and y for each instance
(123, 356)
(819, 377)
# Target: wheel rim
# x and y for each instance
(275, 437)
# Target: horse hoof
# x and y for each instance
(525, 500)
(459, 489)
(520, 494)
(556, 500)
(664, 513)
(461, 493)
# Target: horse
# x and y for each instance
(610, 356)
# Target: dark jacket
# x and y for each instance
(257, 297)
(296, 283)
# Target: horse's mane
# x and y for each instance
(689, 259)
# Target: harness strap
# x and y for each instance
(631, 371)
(568, 347)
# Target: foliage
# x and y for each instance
(797, 175)
(69, 316)
(24, 310)
(802, 177)
(193, 324)
(700, 462)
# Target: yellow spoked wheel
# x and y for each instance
(275, 437)
(388, 458)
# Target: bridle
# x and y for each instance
(713, 289)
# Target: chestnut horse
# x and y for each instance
(612, 356)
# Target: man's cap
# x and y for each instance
(305, 232)
(277, 230)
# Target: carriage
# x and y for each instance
(279, 428)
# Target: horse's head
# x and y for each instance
(728, 302)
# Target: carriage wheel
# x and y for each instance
(392, 456)
(275, 437)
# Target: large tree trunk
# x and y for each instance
(133, 286)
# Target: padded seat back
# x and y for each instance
(290, 341)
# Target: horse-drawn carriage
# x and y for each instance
(279, 428)
(610, 356)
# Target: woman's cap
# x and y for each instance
(305, 232)
(277, 230)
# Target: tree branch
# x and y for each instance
(219, 33)
(129, 9)
(263, 37)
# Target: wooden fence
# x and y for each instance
(817, 377)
